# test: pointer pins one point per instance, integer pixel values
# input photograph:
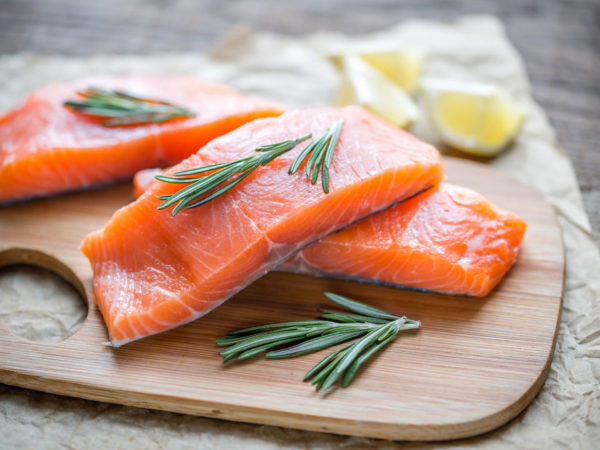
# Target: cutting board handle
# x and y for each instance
(33, 257)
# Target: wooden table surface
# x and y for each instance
(559, 39)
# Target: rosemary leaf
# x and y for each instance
(315, 171)
(208, 168)
(372, 327)
(321, 364)
(351, 372)
(329, 156)
(296, 164)
(354, 317)
(360, 308)
(321, 155)
(337, 316)
(351, 354)
(246, 344)
(225, 176)
(217, 192)
(320, 378)
(314, 345)
(335, 136)
(222, 177)
(315, 156)
(263, 348)
(119, 108)
(312, 323)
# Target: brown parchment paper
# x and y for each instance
(566, 413)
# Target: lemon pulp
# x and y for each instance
(476, 118)
(366, 86)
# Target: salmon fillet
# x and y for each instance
(47, 148)
(448, 239)
(153, 271)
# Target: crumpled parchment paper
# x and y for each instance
(566, 413)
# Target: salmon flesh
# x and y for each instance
(154, 271)
(46, 148)
(448, 239)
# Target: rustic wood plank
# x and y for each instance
(474, 365)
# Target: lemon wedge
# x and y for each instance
(477, 118)
(401, 66)
(364, 85)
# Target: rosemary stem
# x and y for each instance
(370, 329)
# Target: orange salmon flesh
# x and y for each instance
(153, 271)
(46, 148)
(448, 239)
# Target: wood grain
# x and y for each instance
(473, 366)
(559, 39)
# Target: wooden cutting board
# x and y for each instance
(474, 364)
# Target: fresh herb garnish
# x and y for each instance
(121, 108)
(204, 188)
(321, 155)
(377, 328)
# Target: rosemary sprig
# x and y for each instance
(320, 155)
(223, 176)
(377, 328)
(121, 108)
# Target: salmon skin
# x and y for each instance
(448, 239)
(153, 271)
(46, 148)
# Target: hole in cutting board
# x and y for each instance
(39, 305)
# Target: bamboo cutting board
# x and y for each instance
(474, 364)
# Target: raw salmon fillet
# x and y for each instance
(46, 148)
(153, 271)
(448, 239)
